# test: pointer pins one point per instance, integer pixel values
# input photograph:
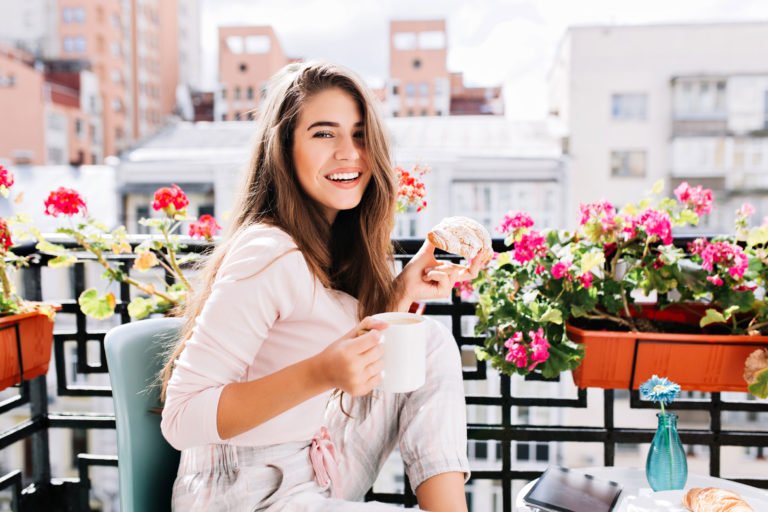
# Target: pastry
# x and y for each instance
(462, 236)
(713, 499)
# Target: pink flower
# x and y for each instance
(411, 190)
(170, 199)
(726, 256)
(539, 346)
(560, 269)
(746, 210)
(698, 199)
(586, 279)
(5, 236)
(715, 280)
(697, 246)
(531, 245)
(540, 269)
(466, 291)
(513, 221)
(6, 177)
(657, 224)
(517, 353)
(206, 227)
(64, 201)
(602, 211)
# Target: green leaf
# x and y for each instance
(689, 217)
(481, 354)
(593, 259)
(504, 258)
(658, 187)
(757, 236)
(48, 248)
(97, 307)
(63, 261)
(552, 315)
(140, 307)
(759, 387)
(713, 316)
(153, 223)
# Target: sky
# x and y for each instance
(507, 42)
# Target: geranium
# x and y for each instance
(206, 228)
(172, 200)
(514, 221)
(5, 237)
(159, 250)
(411, 191)
(64, 201)
(6, 181)
(599, 272)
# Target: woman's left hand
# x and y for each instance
(425, 278)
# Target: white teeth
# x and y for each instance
(343, 176)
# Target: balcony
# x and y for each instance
(516, 427)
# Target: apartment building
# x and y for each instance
(248, 57)
(420, 83)
(61, 119)
(676, 102)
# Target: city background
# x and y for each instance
(531, 105)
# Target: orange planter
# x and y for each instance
(698, 362)
(36, 335)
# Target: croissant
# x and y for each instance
(713, 499)
(462, 236)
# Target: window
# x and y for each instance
(424, 112)
(405, 41)
(538, 452)
(249, 93)
(142, 212)
(73, 15)
(410, 90)
(424, 89)
(628, 163)
(205, 209)
(432, 40)
(629, 106)
(74, 44)
(396, 90)
(699, 98)
(224, 93)
(78, 128)
(235, 44)
(237, 93)
(257, 44)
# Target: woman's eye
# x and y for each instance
(323, 135)
(358, 135)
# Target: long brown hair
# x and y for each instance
(354, 254)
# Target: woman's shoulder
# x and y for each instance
(257, 247)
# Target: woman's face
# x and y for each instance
(328, 152)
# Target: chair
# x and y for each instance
(147, 464)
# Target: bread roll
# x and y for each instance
(713, 499)
(462, 236)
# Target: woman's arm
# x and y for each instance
(352, 363)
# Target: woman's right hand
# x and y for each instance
(353, 363)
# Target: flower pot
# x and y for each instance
(698, 362)
(35, 335)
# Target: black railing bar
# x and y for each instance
(22, 430)
(500, 475)
(690, 403)
(84, 462)
(13, 479)
(763, 484)
(17, 400)
(81, 420)
(572, 403)
(85, 391)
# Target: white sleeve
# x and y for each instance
(257, 283)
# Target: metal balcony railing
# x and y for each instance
(34, 486)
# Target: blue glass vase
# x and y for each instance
(666, 468)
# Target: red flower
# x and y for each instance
(205, 227)
(64, 201)
(6, 177)
(166, 197)
(5, 236)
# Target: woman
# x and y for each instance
(276, 327)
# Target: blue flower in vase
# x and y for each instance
(660, 389)
(666, 467)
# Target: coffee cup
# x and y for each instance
(405, 352)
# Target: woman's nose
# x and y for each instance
(346, 149)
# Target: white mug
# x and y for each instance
(405, 352)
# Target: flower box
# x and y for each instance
(35, 335)
(698, 362)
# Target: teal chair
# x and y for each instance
(147, 464)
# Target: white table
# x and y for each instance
(637, 496)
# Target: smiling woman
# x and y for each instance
(283, 319)
(329, 151)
